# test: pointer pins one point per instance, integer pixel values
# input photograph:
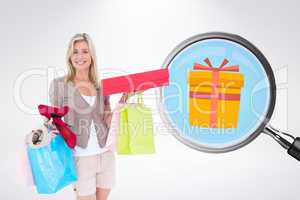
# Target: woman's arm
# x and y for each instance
(107, 111)
(55, 99)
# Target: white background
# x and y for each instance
(135, 36)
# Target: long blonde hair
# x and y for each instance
(93, 71)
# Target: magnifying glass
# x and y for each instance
(221, 94)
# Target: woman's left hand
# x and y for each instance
(108, 118)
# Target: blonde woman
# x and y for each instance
(89, 117)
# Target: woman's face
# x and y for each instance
(81, 58)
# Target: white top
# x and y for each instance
(93, 147)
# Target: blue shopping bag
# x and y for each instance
(53, 166)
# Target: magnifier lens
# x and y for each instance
(219, 94)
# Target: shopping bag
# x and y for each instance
(52, 166)
(135, 82)
(24, 168)
(136, 129)
(45, 133)
(114, 129)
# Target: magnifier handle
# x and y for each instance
(294, 149)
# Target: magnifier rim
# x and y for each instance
(264, 62)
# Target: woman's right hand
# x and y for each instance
(124, 98)
(49, 124)
(126, 95)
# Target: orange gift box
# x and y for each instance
(214, 95)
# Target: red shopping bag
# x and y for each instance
(135, 82)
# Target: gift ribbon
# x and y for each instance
(56, 113)
(220, 96)
(214, 96)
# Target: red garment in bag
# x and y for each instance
(135, 82)
(56, 114)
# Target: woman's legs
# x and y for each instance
(90, 197)
(106, 176)
(102, 194)
(103, 166)
(85, 187)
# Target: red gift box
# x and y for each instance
(135, 82)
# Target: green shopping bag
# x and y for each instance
(136, 129)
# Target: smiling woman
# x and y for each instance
(89, 117)
(81, 59)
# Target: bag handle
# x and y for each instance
(140, 99)
(139, 96)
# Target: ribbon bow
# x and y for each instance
(222, 67)
(56, 114)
